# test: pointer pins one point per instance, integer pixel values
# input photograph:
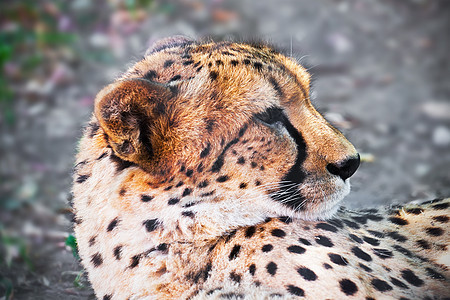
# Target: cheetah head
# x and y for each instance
(233, 123)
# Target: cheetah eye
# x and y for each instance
(271, 116)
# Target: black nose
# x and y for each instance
(344, 169)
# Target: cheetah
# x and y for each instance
(206, 173)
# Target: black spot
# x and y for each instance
(230, 235)
(188, 62)
(424, 244)
(186, 192)
(296, 249)
(243, 185)
(258, 66)
(434, 274)
(135, 261)
(271, 268)
(92, 241)
(203, 184)
(304, 242)
(246, 61)
(205, 151)
(173, 201)
(403, 250)
(336, 222)
(168, 188)
(207, 194)
(120, 163)
(97, 259)
(179, 184)
(219, 62)
(276, 86)
(307, 274)
(188, 213)
(235, 277)
(213, 75)
(352, 224)
(200, 167)
(365, 268)
(396, 236)
(117, 252)
(348, 287)
(377, 234)
(337, 259)
(102, 156)
(82, 178)
(241, 160)
(381, 285)
(374, 217)
(189, 172)
(234, 252)
(326, 227)
(410, 277)
(112, 225)
(441, 206)
(434, 231)
(107, 297)
(168, 63)
(398, 221)
(327, 266)
(151, 224)
(242, 130)
(77, 220)
(278, 233)
(250, 231)
(324, 241)
(252, 269)
(285, 219)
(234, 63)
(372, 241)
(150, 75)
(174, 78)
(220, 159)
(222, 178)
(267, 248)
(294, 290)
(146, 198)
(257, 183)
(232, 296)
(415, 211)
(441, 219)
(360, 219)
(398, 283)
(383, 253)
(361, 254)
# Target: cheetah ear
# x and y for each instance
(126, 112)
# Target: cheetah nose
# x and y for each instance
(345, 168)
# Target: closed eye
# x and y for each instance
(271, 116)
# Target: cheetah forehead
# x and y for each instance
(222, 73)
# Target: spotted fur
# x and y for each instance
(206, 173)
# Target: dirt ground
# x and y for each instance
(380, 72)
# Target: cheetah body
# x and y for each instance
(205, 173)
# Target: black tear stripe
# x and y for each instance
(296, 173)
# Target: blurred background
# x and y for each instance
(380, 69)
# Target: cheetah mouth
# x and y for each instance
(313, 199)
